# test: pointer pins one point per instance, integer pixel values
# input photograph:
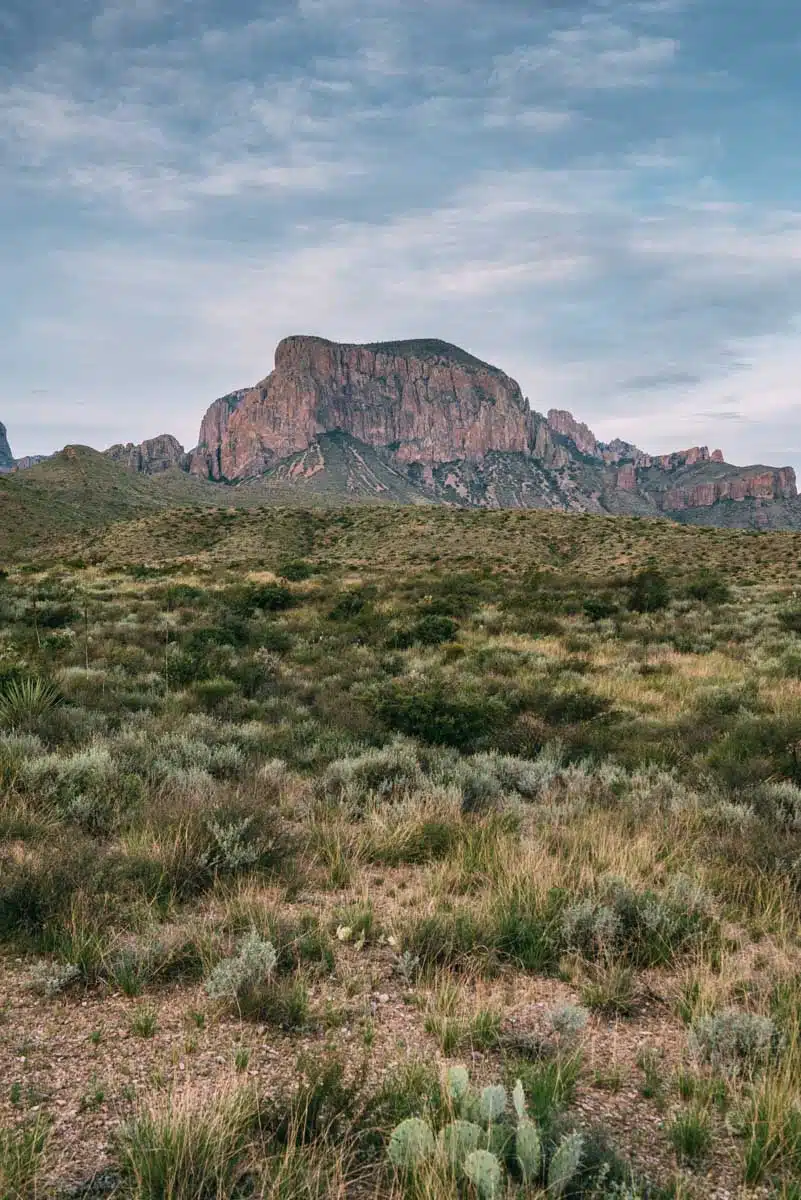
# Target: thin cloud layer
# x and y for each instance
(583, 192)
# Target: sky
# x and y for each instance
(602, 197)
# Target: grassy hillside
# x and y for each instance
(391, 538)
(300, 810)
(80, 490)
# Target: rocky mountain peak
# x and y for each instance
(423, 401)
(150, 457)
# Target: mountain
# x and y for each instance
(410, 422)
(424, 421)
(424, 401)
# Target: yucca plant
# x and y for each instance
(24, 701)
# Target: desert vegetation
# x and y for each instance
(400, 853)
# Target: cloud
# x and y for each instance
(663, 379)
(595, 54)
(564, 188)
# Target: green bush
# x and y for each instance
(430, 630)
(430, 712)
(649, 591)
(350, 605)
(249, 599)
(25, 701)
(599, 608)
(709, 588)
(296, 570)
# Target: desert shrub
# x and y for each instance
(56, 616)
(269, 637)
(298, 941)
(736, 1041)
(790, 619)
(86, 787)
(236, 980)
(296, 570)
(755, 747)
(779, 803)
(350, 605)
(183, 595)
(648, 591)
(456, 594)
(640, 928)
(709, 588)
(432, 713)
(600, 608)
(249, 599)
(431, 630)
(212, 694)
(390, 771)
(567, 706)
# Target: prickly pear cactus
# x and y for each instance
(457, 1082)
(411, 1144)
(519, 1100)
(493, 1104)
(485, 1173)
(565, 1164)
(528, 1150)
(459, 1139)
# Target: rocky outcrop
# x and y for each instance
(424, 401)
(206, 460)
(760, 484)
(683, 458)
(582, 437)
(150, 457)
(6, 457)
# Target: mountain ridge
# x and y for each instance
(423, 421)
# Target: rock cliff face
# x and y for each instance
(150, 457)
(758, 484)
(424, 401)
(423, 421)
(206, 460)
(6, 457)
(582, 437)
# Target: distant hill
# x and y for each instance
(79, 490)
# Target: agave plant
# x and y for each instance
(23, 701)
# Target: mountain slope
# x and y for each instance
(80, 489)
